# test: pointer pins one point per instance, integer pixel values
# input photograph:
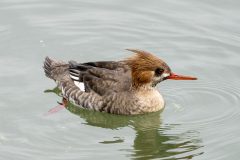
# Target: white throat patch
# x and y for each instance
(164, 75)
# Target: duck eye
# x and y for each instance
(159, 71)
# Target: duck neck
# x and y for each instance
(142, 88)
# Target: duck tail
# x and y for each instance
(55, 69)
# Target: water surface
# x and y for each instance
(199, 38)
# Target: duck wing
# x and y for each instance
(103, 78)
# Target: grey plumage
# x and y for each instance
(106, 84)
(102, 77)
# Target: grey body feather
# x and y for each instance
(107, 84)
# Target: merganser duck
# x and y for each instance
(124, 87)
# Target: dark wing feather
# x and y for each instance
(101, 77)
(111, 65)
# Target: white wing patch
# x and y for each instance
(80, 85)
(74, 77)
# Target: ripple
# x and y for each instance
(215, 102)
(192, 34)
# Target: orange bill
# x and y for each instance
(174, 76)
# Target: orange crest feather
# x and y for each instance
(143, 65)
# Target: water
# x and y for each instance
(199, 38)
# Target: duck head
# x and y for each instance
(149, 70)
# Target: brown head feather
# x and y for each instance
(143, 65)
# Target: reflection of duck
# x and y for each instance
(119, 87)
(151, 141)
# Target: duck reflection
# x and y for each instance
(153, 139)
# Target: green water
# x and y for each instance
(199, 38)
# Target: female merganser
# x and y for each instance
(119, 87)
